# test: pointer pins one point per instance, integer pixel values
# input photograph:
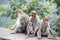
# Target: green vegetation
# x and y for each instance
(8, 25)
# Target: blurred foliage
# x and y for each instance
(43, 9)
(8, 25)
(3, 7)
(58, 26)
(57, 23)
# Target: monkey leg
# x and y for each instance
(28, 32)
(17, 28)
(51, 35)
(39, 34)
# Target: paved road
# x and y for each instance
(6, 34)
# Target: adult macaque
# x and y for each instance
(34, 19)
(45, 28)
(22, 21)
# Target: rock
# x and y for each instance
(5, 34)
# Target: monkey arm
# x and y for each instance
(39, 31)
(51, 31)
(14, 26)
(37, 28)
(54, 36)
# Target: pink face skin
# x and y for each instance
(33, 15)
(45, 20)
(17, 11)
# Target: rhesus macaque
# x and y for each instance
(45, 28)
(34, 19)
(30, 29)
(22, 21)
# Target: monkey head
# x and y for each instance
(18, 11)
(30, 23)
(33, 14)
(45, 19)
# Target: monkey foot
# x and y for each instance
(12, 33)
(39, 38)
(52, 38)
(28, 36)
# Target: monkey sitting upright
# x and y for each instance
(34, 19)
(45, 28)
(22, 21)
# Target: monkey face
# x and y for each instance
(33, 15)
(17, 12)
(45, 19)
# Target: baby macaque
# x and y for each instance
(45, 28)
(22, 21)
(30, 29)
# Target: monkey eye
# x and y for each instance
(31, 15)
